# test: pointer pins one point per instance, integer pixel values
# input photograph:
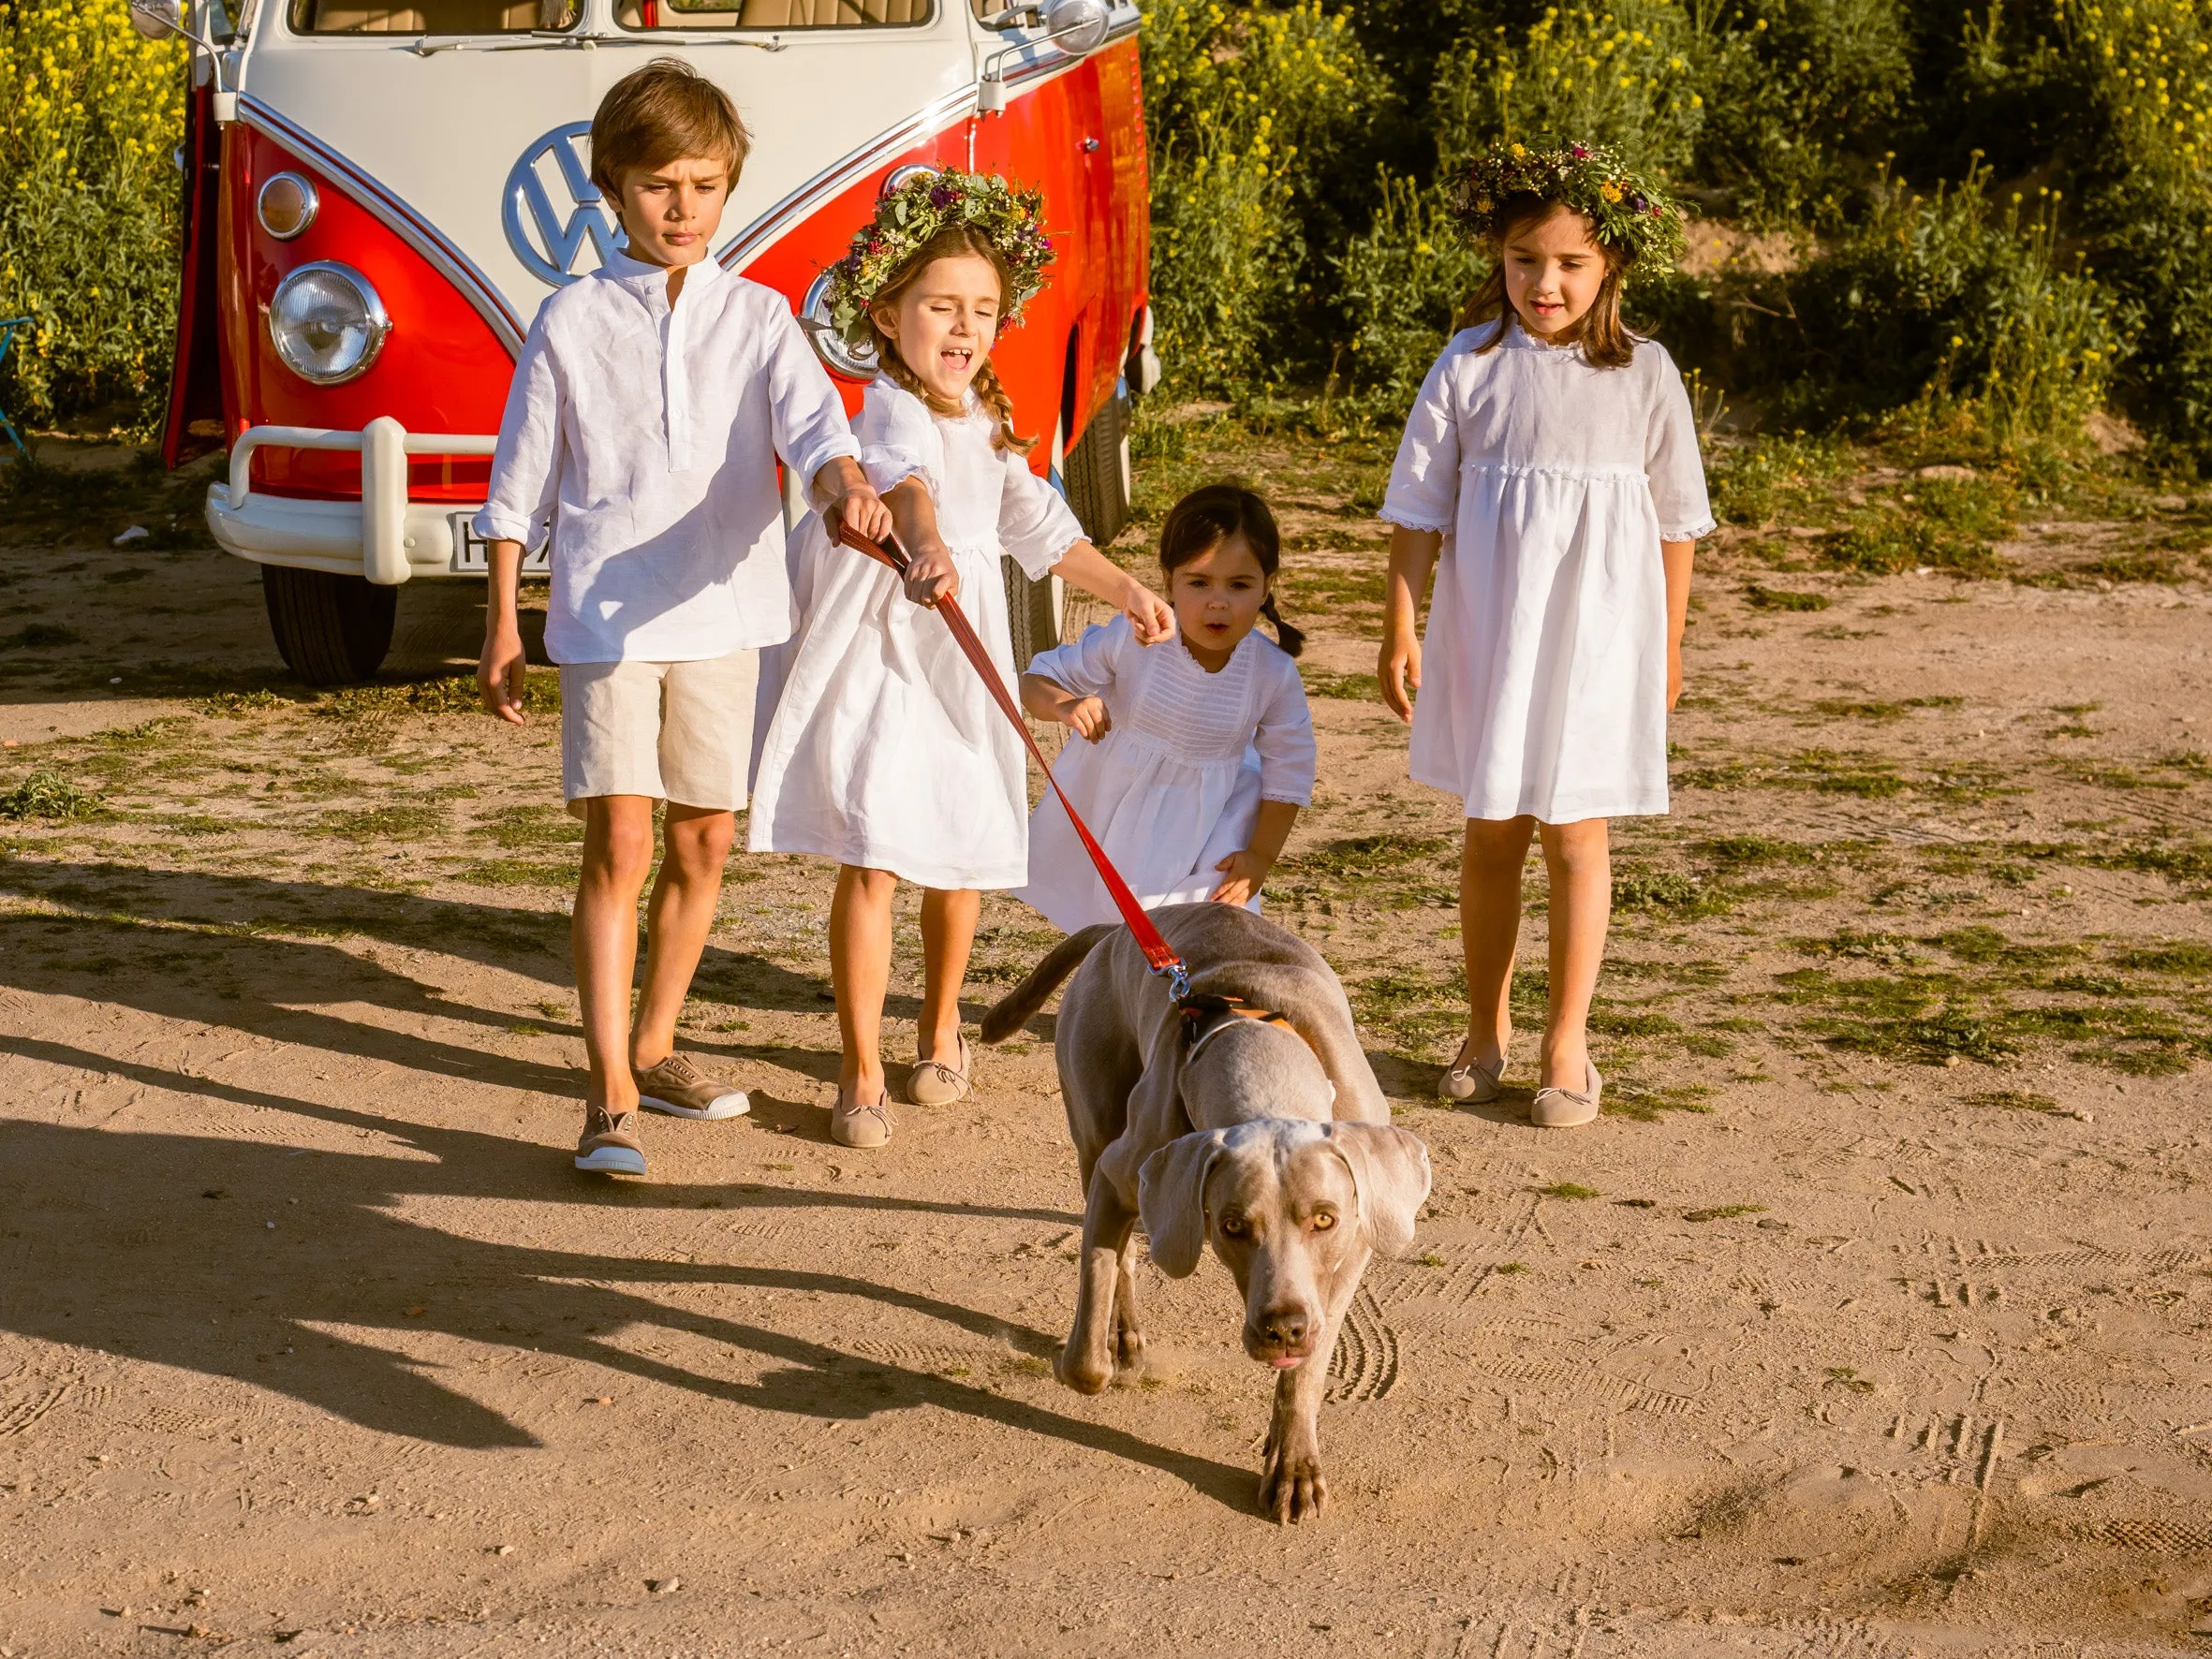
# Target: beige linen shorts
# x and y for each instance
(680, 733)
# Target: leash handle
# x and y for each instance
(1157, 951)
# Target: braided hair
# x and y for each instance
(1211, 513)
(954, 244)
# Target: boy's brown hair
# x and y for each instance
(662, 113)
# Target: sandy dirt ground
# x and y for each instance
(1871, 1321)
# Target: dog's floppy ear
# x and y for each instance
(1170, 1197)
(1390, 1173)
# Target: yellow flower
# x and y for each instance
(1610, 192)
(1516, 149)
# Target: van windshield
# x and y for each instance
(772, 14)
(430, 17)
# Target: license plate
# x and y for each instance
(472, 553)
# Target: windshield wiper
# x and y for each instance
(551, 39)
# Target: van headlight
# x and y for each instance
(327, 323)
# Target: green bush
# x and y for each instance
(1800, 91)
(88, 208)
(1943, 303)
(1251, 110)
(1620, 75)
(1398, 286)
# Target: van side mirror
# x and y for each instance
(1077, 28)
(158, 20)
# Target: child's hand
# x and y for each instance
(931, 575)
(1244, 874)
(1399, 672)
(1150, 617)
(862, 509)
(1088, 719)
(500, 674)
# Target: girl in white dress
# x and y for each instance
(1552, 461)
(885, 751)
(1199, 751)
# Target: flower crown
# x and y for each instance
(1008, 216)
(1627, 210)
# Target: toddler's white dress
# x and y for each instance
(885, 750)
(1175, 785)
(1544, 671)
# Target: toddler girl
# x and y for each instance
(1199, 751)
(1552, 459)
(885, 751)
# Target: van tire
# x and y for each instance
(1032, 614)
(1096, 471)
(331, 630)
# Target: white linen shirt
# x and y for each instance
(645, 437)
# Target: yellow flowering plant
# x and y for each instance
(1251, 110)
(1627, 75)
(89, 190)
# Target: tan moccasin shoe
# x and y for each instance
(860, 1124)
(680, 1089)
(1567, 1109)
(1474, 1083)
(610, 1143)
(934, 1083)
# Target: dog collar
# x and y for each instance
(1206, 1015)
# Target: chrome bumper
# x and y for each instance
(383, 536)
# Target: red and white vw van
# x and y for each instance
(381, 192)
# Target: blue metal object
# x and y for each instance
(8, 325)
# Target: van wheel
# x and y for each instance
(1096, 474)
(1032, 614)
(330, 629)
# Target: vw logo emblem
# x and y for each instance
(546, 238)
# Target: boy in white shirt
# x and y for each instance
(651, 403)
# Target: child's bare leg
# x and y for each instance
(1490, 865)
(948, 935)
(603, 937)
(1579, 861)
(694, 842)
(859, 973)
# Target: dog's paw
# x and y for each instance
(1292, 1486)
(1082, 1372)
(1128, 1348)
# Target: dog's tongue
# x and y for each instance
(1284, 1363)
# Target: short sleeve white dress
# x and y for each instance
(1176, 786)
(1544, 670)
(884, 749)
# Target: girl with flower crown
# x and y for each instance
(885, 751)
(1550, 476)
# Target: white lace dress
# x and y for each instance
(1544, 670)
(1176, 786)
(884, 749)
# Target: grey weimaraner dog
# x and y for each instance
(1256, 1125)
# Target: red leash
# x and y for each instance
(1157, 951)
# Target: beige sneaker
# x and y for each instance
(1568, 1109)
(856, 1123)
(680, 1089)
(934, 1083)
(610, 1143)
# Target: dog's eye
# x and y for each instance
(1233, 1227)
(1323, 1220)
